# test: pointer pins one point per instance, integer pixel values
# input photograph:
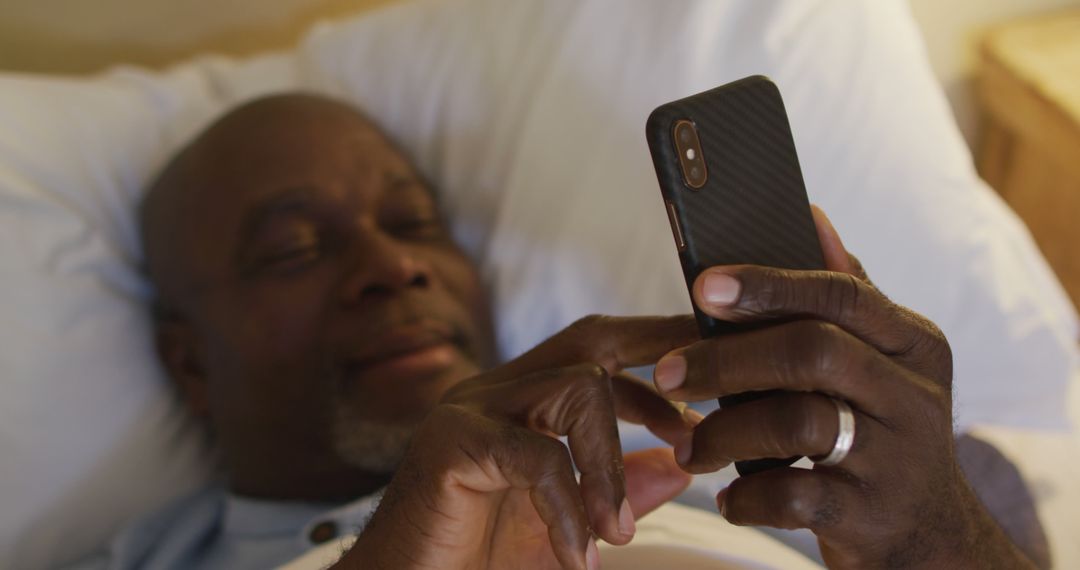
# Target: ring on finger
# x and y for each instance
(845, 435)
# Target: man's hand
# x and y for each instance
(486, 484)
(898, 499)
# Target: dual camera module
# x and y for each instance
(688, 148)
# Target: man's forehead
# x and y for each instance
(254, 151)
(279, 144)
(254, 157)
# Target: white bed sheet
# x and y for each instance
(674, 536)
(1050, 463)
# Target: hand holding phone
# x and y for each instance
(734, 193)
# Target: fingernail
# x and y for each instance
(592, 557)
(626, 519)
(720, 289)
(684, 449)
(670, 373)
(720, 501)
(692, 416)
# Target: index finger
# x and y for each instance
(582, 403)
(614, 343)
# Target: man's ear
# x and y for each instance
(178, 350)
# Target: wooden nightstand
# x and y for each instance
(1029, 87)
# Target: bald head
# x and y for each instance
(256, 139)
(317, 307)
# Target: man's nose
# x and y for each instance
(382, 267)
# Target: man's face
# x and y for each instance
(328, 305)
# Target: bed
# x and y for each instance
(484, 95)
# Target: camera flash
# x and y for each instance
(690, 154)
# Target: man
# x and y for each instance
(316, 314)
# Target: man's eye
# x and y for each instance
(419, 228)
(292, 256)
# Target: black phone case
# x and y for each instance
(753, 208)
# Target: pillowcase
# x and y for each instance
(529, 117)
(90, 431)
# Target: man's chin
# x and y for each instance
(373, 446)
(373, 433)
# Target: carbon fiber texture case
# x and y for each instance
(753, 208)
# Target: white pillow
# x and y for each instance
(529, 116)
(532, 118)
(90, 433)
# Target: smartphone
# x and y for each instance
(734, 193)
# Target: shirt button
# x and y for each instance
(322, 532)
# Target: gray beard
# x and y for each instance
(373, 446)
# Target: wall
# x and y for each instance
(85, 35)
(951, 29)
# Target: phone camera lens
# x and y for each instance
(689, 155)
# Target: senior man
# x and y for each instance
(317, 316)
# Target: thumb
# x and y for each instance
(652, 479)
(836, 255)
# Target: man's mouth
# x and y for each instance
(407, 351)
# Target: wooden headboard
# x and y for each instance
(78, 36)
